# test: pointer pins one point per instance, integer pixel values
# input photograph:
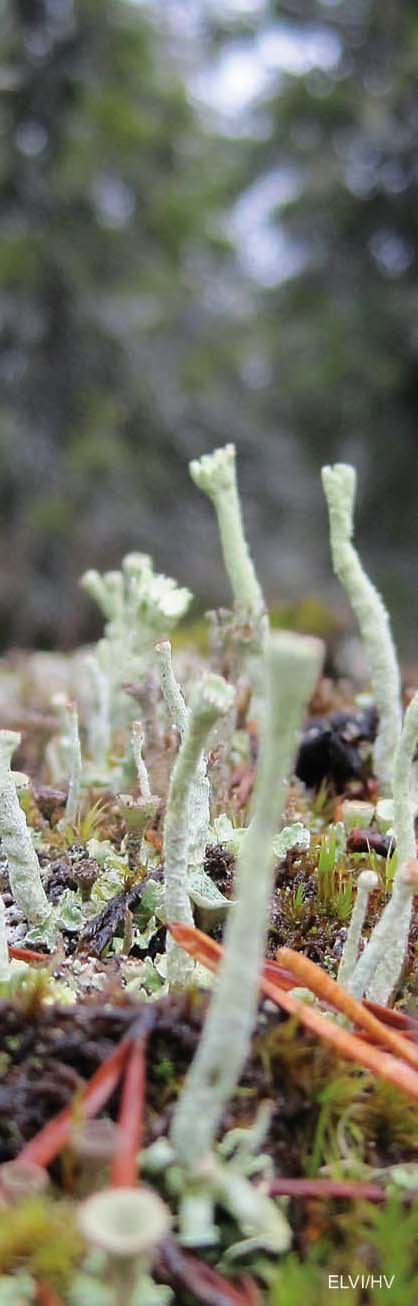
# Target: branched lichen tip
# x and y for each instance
(214, 472)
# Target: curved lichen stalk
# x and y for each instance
(292, 664)
(199, 790)
(24, 872)
(215, 474)
(209, 701)
(380, 965)
(339, 484)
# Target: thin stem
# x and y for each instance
(215, 474)
(367, 881)
(339, 484)
(292, 664)
(175, 703)
(211, 700)
(75, 765)
(138, 742)
(378, 969)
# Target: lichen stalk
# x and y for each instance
(210, 700)
(75, 763)
(99, 728)
(215, 474)
(199, 793)
(138, 742)
(175, 703)
(24, 872)
(380, 965)
(339, 483)
(367, 881)
(292, 664)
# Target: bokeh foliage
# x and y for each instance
(131, 338)
(103, 202)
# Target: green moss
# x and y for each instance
(41, 1235)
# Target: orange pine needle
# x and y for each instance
(327, 988)
(46, 1295)
(130, 1120)
(50, 1140)
(27, 954)
(347, 1045)
(209, 953)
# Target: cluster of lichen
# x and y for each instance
(105, 748)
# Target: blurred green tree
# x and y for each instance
(340, 327)
(103, 203)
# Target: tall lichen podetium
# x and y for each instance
(339, 483)
(215, 474)
(210, 700)
(291, 666)
(379, 967)
(24, 872)
(199, 791)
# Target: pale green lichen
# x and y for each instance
(127, 1224)
(138, 743)
(367, 881)
(24, 871)
(140, 607)
(210, 700)
(174, 700)
(378, 969)
(215, 474)
(339, 484)
(291, 667)
(199, 790)
(71, 744)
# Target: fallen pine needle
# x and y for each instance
(327, 988)
(45, 1146)
(130, 1120)
(347, 1045)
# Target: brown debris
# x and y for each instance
(97, 935)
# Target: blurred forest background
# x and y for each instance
(209, 232)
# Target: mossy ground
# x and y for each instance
(328, 1117)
